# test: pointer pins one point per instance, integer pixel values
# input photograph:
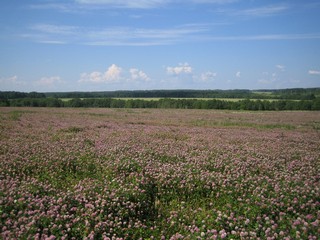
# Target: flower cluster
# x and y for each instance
(158, 174)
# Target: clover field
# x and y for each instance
(158, 174)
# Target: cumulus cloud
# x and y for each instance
(137, 74)
(112, 74)
(314, 72)
(280, 67)
(11, 82)
(268, 78)
(207, 76)
(95, 77)
(238, 74)
(12, 79)
(49, 81)
(115, 74)
(182, 68)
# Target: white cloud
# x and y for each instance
(267, 37)
(128, 36)
(85, 77)
(62, 7)
(55, 29)
(54, 34)
(264, 11)
(182, 68)
(125, 3)
(261, 11)
(95, 77)
(112, 74)
(214, 1)
(238, 74)
(207, 76)
(280, 67)
(268, 78)
(12, 79)
(124, 36)
(114, 36)
(137, 74)
(147, 4)
(85, 6)
(314, 72)
(10, 83)
(52, 42)
(115, 74)
(49, 81)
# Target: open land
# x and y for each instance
(159, 174)
(157, 99)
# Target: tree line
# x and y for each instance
(16, 95)
(245, 104)
(287, 94)
(293, 94)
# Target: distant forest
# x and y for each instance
(292, 94)
(284, 99)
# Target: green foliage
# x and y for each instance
(73, 129)
(35, 102)
(293, 94)
(16, 95)
(15, 115)
(269, 100)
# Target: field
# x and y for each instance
(157, 99)
(158, 174)
(221, 99)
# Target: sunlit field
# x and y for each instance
(159, 174)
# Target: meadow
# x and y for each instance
(157, 99)
(82, 173)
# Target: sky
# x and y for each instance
(106, 45)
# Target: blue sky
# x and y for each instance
(102, 45)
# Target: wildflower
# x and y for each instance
(296, 222)
(223, 235)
